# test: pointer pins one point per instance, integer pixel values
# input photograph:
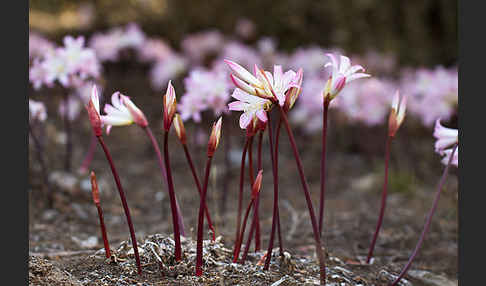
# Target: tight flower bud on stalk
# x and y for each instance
(170, 104)
(396, 118)
(93, 109)
(179, 128)
(96, 200)
(397, 114)
(214, 137)
(212, 145)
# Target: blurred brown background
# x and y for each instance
(418, 32)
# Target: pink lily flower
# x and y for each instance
(250, 105)
(264, 84)
(278, 83)
(342, 74)
(122, 111)
(446, 139)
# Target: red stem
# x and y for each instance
(199, 189)
(325, 105)
(240, 195)
(257, 202)
(242, 234)
(200, 225)
(383, 200)
(250, 235)
(277, 137)
(227, 165)
(275, 196)
(89, 156)
(103, 231)
(124, 203)
(173, 202)
(180, 219)
(429, 219)
(305, 188)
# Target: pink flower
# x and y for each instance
(209, 88)
(250, 105)
(122, 111)
(172, 66)
(342, 73)
(446, 139)
(200, 45)
(37, 110)
(264, 84)
(191, 106)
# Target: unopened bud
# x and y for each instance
(214, 137)
(179, 128)
(94, 189)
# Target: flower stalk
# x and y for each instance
(325, 106)
(305, 188)
(395, 120)
(429, 218)
(96, 200)
(212, 146)
(68, 131)
(40, 157)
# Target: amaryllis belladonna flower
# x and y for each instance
(37, 110)
(252, 106)
(342, 74)
(397, 114)
(170, 104)
(263, 83)
(122, 111)
(446, 139)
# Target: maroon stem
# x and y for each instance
(200, 225)
(383, 200)
(199, 189)
(275, 195)
(89, 156)
(277, 137)
(429, 219)
(40, 157)
(240, 195)
(257, 202)
(227, 166)
(103, 231)
(67, 129)
(250, 235)
(163, 170)
(173, 202)
(305, 188)
(325, 105)
(124, 203)
(242, 234)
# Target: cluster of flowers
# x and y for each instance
(70, 65)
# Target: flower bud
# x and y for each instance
(94, 189)
(93, 109)
(214, 137)
(170, 104)
(257, 185)
(179, 128)
(397, 113)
